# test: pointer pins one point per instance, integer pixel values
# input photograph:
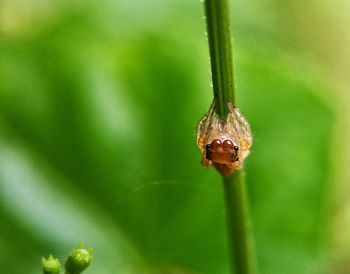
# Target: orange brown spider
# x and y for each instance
(224, 143)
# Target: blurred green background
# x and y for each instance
(99, 102)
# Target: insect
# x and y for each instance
(224, 143)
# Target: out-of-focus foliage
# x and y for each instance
(99, 102)
(51, 265)
(78, 260)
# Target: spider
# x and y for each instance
(224, 143)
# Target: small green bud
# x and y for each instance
(79, 260)
(51, 265)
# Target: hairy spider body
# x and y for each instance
(224, 143)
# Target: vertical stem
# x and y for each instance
(238, 222)
(220, 46)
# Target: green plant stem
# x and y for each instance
(238, 222)
(220, 46)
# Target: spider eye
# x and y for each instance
(216, 143)
(207, 151)
(228, 144)
(236, 148)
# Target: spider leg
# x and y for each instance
(205, 162)
(204, 126)
(239, 128)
